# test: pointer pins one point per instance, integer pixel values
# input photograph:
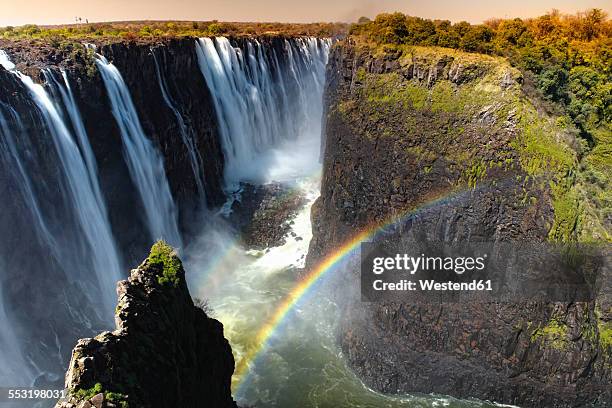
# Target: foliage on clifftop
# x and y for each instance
(148, 30)
(566, 62)
(165, 257)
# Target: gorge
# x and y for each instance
(107, 147)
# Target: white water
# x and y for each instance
(65, 92)
(145, 164)
(73, 231)
(13, 365)
(270, 133)
(268, 106)
(187, 134)
(5, 61)
(84, 191)
(10, 154)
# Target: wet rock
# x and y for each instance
(264, 214)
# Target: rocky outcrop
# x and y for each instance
(264, 214)
(449, 139)
(165, 352)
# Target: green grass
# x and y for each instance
(115, 397)
(605, 336)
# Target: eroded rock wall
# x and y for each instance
(165, 352)
(451, 137)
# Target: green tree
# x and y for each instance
(512, 30)
(552, 81)
(478, 39)
(390, 28)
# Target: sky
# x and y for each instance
(19, 12)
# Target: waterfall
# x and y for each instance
(52, 196)
(144, 163)
(13, 366)
(65, 93)
(187, 134)
(266, 101)
(84, 192)
(5, 61)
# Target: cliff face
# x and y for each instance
(186, 85)
(453, 134)
(164, 352)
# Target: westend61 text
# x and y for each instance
(431, 285)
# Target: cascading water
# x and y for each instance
(269, 109)
(63, 220)
(268, 100)
(268, 105)
(187, 135)
(14, 366)
(84, 190)
(65, 95)
(145, 164)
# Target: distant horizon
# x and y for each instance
(64, 12)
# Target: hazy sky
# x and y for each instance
(17, 12)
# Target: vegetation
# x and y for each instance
(554, 333)
(566, 61)
(165, 29)
(164, 256)
(605, 335)
(86, 394)
(204, 305)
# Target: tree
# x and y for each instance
(552, 81)
(461, 28)
(420, 31)
(512, 30)
(592, 22)
(478, 38)
(390, 28)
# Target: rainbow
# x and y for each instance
(315, 274)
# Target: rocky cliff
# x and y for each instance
(452, 137)
(164, 352)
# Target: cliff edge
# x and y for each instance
(165, 351)
(449, 145)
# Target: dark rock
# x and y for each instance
(264, 214)
(165, 351)
(411, 157)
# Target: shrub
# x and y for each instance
(164, 256)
